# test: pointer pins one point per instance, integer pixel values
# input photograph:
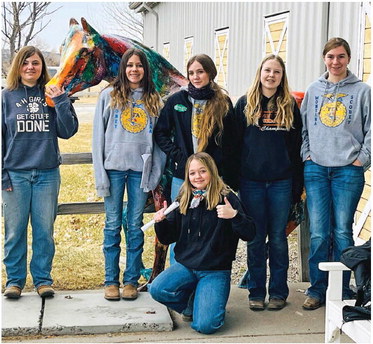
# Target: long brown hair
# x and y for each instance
(216, 189)
(14, 76)
(216, 108)
(121, 86)
(282, 100)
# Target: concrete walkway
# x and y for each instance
(86, 317)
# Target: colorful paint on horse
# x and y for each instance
(87, 58)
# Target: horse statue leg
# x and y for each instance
(160, 250)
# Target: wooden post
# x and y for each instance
(304, 246)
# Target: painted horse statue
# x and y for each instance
(87, 58)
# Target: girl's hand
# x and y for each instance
(53, 91)
(9, 189)
(159, 215)
(226, 211)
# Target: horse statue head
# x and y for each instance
(88, 57)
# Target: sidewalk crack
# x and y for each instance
(41, 316)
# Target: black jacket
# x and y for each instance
(203, 241)
(173, 134)
(268, 154)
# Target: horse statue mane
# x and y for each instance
(88, 57)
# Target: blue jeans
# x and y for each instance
(113, 226)
(175, 188)
(174, 286)
(332, 197)
(34, 197)
(268, 203)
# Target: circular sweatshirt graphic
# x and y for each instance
(333, 113)
(134, 119)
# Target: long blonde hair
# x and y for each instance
(281, 102)
(14, 76)
(121, 86)
(216, 108)
(216, 189)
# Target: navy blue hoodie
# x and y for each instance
(30, 129)
(269, 153)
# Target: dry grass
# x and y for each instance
(79, 262)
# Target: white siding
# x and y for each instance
(310, 25)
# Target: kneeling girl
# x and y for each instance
(206, 229)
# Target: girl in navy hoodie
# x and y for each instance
(271, 177)
(206, 229)
(30, 168)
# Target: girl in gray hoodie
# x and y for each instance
(336, 151)
(125, 155)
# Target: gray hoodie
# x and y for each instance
(123, 140)
(336, 122)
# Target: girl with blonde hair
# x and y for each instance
(206, 229)
(271, 177)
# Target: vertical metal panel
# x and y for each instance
(310, 25)
(345, 22)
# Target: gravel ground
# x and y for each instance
(240, 265)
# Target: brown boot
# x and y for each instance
(13, 292)
(45, 291)
(129, 292)
(311, 303)
(112, 293)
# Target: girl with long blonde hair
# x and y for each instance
(206, 229)
(271, 177)
(198, 118)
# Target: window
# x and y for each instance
(166, 51)
(221, 56)
(188, 51)
(365, 42)
(275, 34)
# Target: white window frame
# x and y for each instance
(168, 46)
(185, 55)
(217, 34)
(273, 19)
(366, 9)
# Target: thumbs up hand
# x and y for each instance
(226, 211)
(159, 215)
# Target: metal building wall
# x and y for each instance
(310, 25)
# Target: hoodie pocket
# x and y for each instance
(123, 156)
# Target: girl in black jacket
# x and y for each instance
(271, 177)
(206, 229)
(198, 118)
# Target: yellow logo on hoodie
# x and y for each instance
(133, 118)
(334, 112)
(197, 119)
